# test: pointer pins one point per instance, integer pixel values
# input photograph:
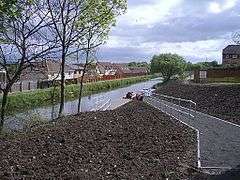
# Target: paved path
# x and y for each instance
(219, 144)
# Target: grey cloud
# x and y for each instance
(189, 23)
(123, 54)
(184, 29)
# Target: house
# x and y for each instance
(106, 69)
(231, 55)
(123, 70)
(53, 68)
(78, 70)
(48, 70)
(120, 69)
(139, 71)
(113, 69)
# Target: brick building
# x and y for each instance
(231, 55)
(120, 69)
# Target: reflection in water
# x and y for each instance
(111, 100)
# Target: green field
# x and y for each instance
(224, 80)
(42, 97)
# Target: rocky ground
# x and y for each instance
(133, 142)
(220, 100)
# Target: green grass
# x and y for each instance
(20, 101)
(224, 80)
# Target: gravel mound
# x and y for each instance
(222, 101)
(132, 142)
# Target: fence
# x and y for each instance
(217, 74)
(22, 86)
(100, 78)
(33, 85)
(179, 101)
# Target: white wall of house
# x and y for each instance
(78, 74)
(68, 76)
(109, 71)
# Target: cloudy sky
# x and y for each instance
(195, 29)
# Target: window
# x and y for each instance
(227, 56)
(235, 56)
(203, 74)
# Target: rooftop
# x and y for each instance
(232, 49)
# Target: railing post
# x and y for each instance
(20, 86)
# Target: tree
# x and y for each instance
(8, 7)
(71, 19)
(192, 67)
(202, 65)
(97, 22)
(22, 43)
(138, 64)
(168, 65)
(64, 15)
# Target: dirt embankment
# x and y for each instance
(219, 100)
(132, 142)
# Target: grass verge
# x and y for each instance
(42, 97)
(224, 80)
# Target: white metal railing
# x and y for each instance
(101, 103)
(105, 106)
(192, 104)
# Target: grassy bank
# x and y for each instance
(42, 97)
(224, 80)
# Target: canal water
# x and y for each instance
(102, 101)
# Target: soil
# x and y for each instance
(219, 100)
(132, 142)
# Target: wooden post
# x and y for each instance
(29, 85)
(20, 86)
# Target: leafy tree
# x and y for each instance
(8, 7)
(22, 43)
(132, 64)
(192, 67)
(168, 65)
(138, 64)
(202, 65)
(72, 22)
(97, 22)
(209, 64)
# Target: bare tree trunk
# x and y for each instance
(80, 92)
(62, 93)
(81, 83)
(3, 107)
(84, 70)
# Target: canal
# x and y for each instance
(102, 101)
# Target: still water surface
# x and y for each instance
(101, 101)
